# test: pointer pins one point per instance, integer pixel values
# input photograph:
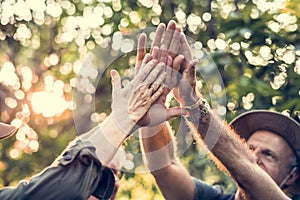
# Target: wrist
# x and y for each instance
(197, 111)
(121, 124)
(115, 128)
(191, 100)
(107, 138)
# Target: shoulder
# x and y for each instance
(208, 192)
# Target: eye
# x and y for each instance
(268, 154)
(251, 147)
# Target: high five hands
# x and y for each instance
(170, 47)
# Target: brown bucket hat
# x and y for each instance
(6, 130)
(289, 129)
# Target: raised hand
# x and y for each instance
(164, 49)
(166, 39)
(129, 104)
(186, 92)
(158, 112)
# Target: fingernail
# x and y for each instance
(113, 73)
(181, 56)
(162, 64)
(163, 47)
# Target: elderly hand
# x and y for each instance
(158, 112)
(163, 51)
(173, 43)
(129, 104)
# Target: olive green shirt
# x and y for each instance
(76, 174)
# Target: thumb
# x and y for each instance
(190, 71)
(192, 65)
(115, 80)
(177, 62)
(175, 112)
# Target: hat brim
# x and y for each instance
(6, 130)
(289, 129)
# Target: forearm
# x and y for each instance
(159, 152)
(225, 144)
(107, 138)
(158, 146)
(228, 148)
(73, 175)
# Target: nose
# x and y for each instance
(256, 156)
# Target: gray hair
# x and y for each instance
(292, 162)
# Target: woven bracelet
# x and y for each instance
(195, 105)
(203, 107)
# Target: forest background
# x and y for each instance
(52, 89)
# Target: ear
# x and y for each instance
(293, 178)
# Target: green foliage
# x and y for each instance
(254, 46)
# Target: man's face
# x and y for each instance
(271, 152)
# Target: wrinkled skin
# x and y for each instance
(129, 104)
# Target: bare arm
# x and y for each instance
(158, 143)
(159, 146)
(136, 97)
(253, 181)
(223, 142)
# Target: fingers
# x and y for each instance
(163, 54)
(185, 48)
(176, 75)
(192, 66)
(158, 36)
(142, 45)
(169, 33)
(158, 113)
(149, 72)
(175, 43)
(169, 61)
(156, 94)
(175, 112)
(141, 51)
(169, 79)
(161, 77)
(157, 76)
(190, 72)
(154, 56)
(155, 85)
(115, 80)
(173, 74)
(156, 53)
(177, 62)
(146, 60)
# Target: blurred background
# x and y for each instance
(52, 89)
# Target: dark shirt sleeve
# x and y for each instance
(76, 174)
(296, 197)
(203, 191)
